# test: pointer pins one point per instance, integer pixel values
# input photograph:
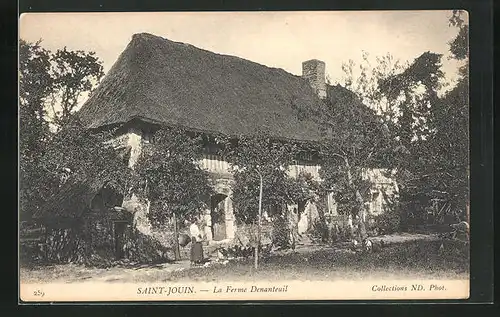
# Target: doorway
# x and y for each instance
(119, 238)
(218, 216)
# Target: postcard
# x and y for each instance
(220, 156)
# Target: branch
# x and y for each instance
(51, 172)
(343, 157)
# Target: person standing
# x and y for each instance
(333, 230)
(196, 245)
(293, 222)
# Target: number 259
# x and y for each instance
(38, 293)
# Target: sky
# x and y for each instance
(276, 39)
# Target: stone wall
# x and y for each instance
(246, 235)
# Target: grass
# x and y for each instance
(407, 260)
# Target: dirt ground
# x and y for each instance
(403, 257)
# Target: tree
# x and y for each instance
(355, 137)
(449, 147)
(405, 96)
(434, 129)
(168, 175)
(428, 132)
(48, 158)
(354, 140)
(35, 84)
(260, 157)
(459, 46)
(363, 79)
(74, 73)
(249, 156)
(450, 143)
(302, 189)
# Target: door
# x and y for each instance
(119, 232)
(218, 215)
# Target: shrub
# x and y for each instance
(31, 252)
(281, 233)
(238, 251)
(389, 221)
(142, 248)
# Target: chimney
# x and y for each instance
(314, 72)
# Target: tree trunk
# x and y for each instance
(350, 182)
(361, 217)
(259, 219)
(177, 252)
(360, 202)
(321, 207)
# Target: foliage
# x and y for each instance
(141, 248)
(434, 129)
(428, 133)
(239, 252)
(48, 158)
(449, 148)
(459, 46)
(34, 86)
(52, 85)
(387, 222)
(168, 175)
(355, 142)
(74, 73)
(303, 188)
(77, 151)
(415, 91)
(251, 156)
(281, 231)
(366, 83)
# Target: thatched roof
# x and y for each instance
(175, 84)
(72, 199)
(344, 100)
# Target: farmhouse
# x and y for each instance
(158, 83)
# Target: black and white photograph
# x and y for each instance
(208, 156)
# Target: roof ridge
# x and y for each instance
(146, 35)
(175, 83)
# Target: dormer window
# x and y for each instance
(305, 157)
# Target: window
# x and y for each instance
(148, 137)
(126, 155)
(211, 149)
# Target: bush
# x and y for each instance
(281, 233)
(246, 235)
(142, 248)
(31, 252)
(66, 245)
(388, 222)
(345, 233)
(238, 251)
(319, 231)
